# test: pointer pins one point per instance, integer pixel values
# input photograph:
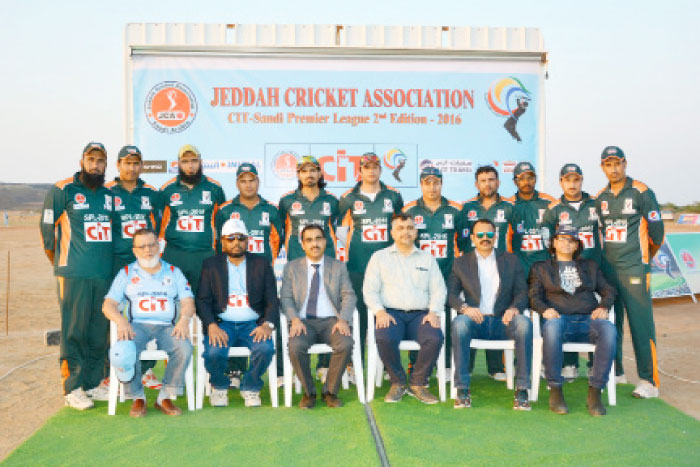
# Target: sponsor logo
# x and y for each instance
(358, 207)
(48, 216)
(167, 281)
(508, 166)
(509, 98)
(146, 203)
(190, 224)
(118, 205)
(388, 206)
(688, 259)
(448, 222)
(80, 201)
(592, 215)
(108, 202)
(154, 167)
(540, 215)
(225, 165)
(471, 215)
(284, 165)
(437, 248)
(256, 244)
(153, 304)
(564, 218)
(265, 218)
(465, 233)
(130, 227)
(654, 216)
(604, 208)
(170, 107)
(206, 197)
(448, 166)
(418, 220)
(500, 215)
(175, 199)
(235, 215)
(375, 233)
(629, 207)
(135, 280)
(326, 211)
(98, 231)
(296, 209)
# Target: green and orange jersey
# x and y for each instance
(631, 225)
(265, 228)
(133, 210)
(438, 231)
(500, 213)
(530, 239)
(368, 222)
(583, 216)
(188, 214)
(297, 211)
(77, 225)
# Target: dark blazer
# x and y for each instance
(546, 291)
(512, 291)
(261, 285)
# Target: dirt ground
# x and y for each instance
(31, 394)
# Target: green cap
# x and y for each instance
(127, 151)
(430, 171)
(94, 146)
(612, 151)
(570, 169)
(307, 160)
(188, 148)
(521, 168)
(246, 168)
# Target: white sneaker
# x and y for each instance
(252, 398)
(542, 374)
(235, 379)
(321, 374)
(218, 397)
(645, 390)
(498, 376)
(150, 381)
(621, 379)
(100, 392)
(280, 381)
(77, 399)
(569, 372)
(351, 374)
(386, 376)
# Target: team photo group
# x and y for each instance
(532, 269)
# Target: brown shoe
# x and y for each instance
(138, 408)
(168, 408)
(332, 400)
(422, 394)
(307, 402)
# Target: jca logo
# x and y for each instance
(170, 107)
(509, 98)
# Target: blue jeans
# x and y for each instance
(216, 358)
(179, 354)
(578, 328)
(492, 328)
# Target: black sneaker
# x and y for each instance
(422, 394)
(395, 394)
(464, 399)
(520, 401)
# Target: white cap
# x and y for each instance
(232, 227)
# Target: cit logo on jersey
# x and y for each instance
(153, 304)
(359, 208)
(130, 227)
(80, 202)
(190, 224)
(175, 199)
(437, 248)
(256, 245)
(375, 233)
(238, 301)
(98, 231)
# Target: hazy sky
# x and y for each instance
(620, 73)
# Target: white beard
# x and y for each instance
(149, 263)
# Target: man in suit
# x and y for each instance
(495, 295)
(237, 303)
(318, 299)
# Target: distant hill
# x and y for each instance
(23, 196)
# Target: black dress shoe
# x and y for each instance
(557, 404)
(307, 402)
(332, 400)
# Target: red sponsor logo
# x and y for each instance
(175, 197)
(130, 227)
(153, 304)
(190, 224)
(418, 220)
(375, 233)
(296, 206)
(170, 107)
(98, 232)
(80, 198)
(359, 205)
(235, 215)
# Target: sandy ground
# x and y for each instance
(30, 395)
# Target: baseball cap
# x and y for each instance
(188, 148)
(430, 171)
(369, 158)
(246, 168)
(122, 355)
(570, 169)
(566, 229)
(307, 160)
(612, 151)
(233, 227)
(127, 151)
(521, 168)
(92, 146)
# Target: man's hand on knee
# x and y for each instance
(342, 327)
(297, 328)
(383, 319)
(431, 318)
(217, 336)
(550, 313)
(261, 333)
(472, 313)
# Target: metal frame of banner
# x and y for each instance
(673, 253)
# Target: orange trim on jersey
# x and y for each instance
(153, 220)
(455, 204)
(225, 203)
(644, 239)
(331, 231)
(65, 374)
(547, 197)
(212, 180)
(457, 251)
(476, 198)
(62, 183)
(287, 234)
(511, 199)
(639, 186)
(346, 193)
(168, 183)
(654, 363)
(274, 242)
(146, 185)
(509, 239)
(61, 287)
(213, 225)
(287, 194)
(110, 184)
(554, 204)
(64, 224)
(408, 206)
(164, 223)
(389, 187)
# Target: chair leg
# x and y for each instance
(201, 380)
(612, 389)
(453, 388)
(113, 390)
(536, 368)
(359, 376)
(510, 377)
(297, 385)
(189, 386)
(345, 380)
(371, 370)
(272, 373)
(441, 373)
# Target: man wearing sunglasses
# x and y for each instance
(495, 295)
(238, 305)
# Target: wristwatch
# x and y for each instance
(271, 325)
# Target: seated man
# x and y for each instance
(562, 290)
(237, 303)
(318, 314)
(152, 288)
(405, 290)
(495, 295)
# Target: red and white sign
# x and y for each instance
(532, 242)
(98, 231)
(190, 224)
(375, 233)
(238, 301)
(437, 248)
(616, 234)
(256, 244)
(153, 304)
(587, 239)
(130, 227)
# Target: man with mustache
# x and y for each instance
(76, 229)
(189, 202)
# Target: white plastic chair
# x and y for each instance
(116, 388)
(578, 347)
(321, 349)
(375, 366)
(203, 386)
(508, 347)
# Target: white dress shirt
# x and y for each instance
(412, 282)
(490, 281)
(324, 309)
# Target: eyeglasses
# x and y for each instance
(236, 237)
(485, 234)
(146, 246)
